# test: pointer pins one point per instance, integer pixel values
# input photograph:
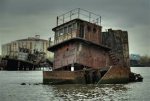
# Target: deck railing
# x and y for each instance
(79, 13)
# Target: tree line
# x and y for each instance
(145, 60)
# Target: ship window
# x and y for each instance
(69, 28)
(56, 33)
(61, 31)
(81, 31)
(74, 25)
(65, 30)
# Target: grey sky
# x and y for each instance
(26, 18)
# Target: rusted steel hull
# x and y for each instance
(112, 75)
(117, 75)
(63, 77)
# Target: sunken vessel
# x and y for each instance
(83, 54)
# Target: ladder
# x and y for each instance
(113, 58)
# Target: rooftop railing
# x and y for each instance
(80, 14)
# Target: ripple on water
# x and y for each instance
(90, 92)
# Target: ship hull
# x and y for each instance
(15, 64)
(114, 75)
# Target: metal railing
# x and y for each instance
(79, 13)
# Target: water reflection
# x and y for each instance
(90, 92)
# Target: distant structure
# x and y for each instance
(135, 60)
(31, 43)
(85, 54)
(0, 63)
(26, 54)
(136, 57)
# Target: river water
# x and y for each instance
(33, 90)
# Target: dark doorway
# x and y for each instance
(81, 34)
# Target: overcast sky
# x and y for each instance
(26, 18)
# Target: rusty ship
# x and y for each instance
(83, 54)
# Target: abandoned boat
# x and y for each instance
(83, 54)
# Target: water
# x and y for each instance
(12, 90)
